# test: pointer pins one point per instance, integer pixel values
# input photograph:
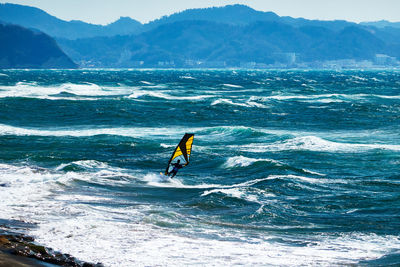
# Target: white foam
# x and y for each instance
(232, 85)
(147, 83)
(137, 244)
(324, 98)
(297, 177)
(229, 102)
(25, 177)
(78, 91)
(187, 77)
(166, 146)
(241, 161)
(129, 132)
(142, 93)
(314, 143)
(235, 193)
(67, 223)
(160, 180)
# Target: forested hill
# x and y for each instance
(24, 48)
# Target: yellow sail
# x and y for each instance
(182, 152)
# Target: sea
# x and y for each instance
(288, 168)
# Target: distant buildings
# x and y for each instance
(282, 61)
(385, 60)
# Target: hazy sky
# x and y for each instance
(106, 11)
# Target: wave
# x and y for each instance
(69, 91)
(142, 93)
(136, 132)
(146, 82)
(240, 193)
(232, 85)
(229, 102)
(235, 131)
(84, 165)
(188, 77)
(323, 98)
(138, 244)
(248, 103)
(84, 170)
(160, 180)
(241, 161)
(313, 143)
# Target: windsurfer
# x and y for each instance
(176, 168)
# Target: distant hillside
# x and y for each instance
(31, 17)
(242, 15)
(217, 36)
(23, 48)
(208, 41)
(231, 14)
(382, 24)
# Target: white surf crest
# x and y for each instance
(229, 102)
(241, 161)
(137, 132)
(53, 92)
(239, 193)
(314, 143)
(232, 85)
(141, 93)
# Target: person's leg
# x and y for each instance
(173, 174)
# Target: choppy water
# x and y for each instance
(288, 167)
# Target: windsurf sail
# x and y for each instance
(182, 152)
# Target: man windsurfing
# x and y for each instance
(177, 167)
(181, 154)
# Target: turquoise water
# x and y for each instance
(288, 167)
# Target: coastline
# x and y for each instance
(19, 261)
(20, 250)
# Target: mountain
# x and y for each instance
(206, 41)
(23, 48)
(217, 36)
(231, 14)
(31, 17)
(242, 15)
(382, 24)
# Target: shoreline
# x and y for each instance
(19, 261)
(20, 250)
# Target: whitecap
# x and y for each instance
(81, 132)
(187, 77)
(232, 85)
(229, 102)
(54, 92)
(147, 83)
(142, 93)
(236, 193)
(241, 161)
(314, 143)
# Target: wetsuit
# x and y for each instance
(176, 168)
